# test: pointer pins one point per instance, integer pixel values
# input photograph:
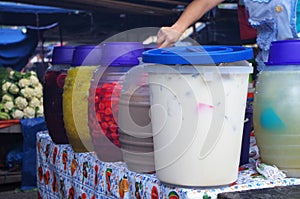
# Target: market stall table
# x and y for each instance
(65, 174)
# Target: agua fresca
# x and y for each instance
(106, 105)
(106, 85)
(53, 90)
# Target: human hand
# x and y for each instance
(167, 36)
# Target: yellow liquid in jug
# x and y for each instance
(276, 119)
(75, 107)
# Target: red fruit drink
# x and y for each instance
(117, 59)
(53, 90)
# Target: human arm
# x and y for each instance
(167, 36)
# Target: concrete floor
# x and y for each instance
(12, 191)
(18, 195)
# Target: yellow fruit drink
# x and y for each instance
(75, 107)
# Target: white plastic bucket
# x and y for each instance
(197, 116)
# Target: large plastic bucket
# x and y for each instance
(197, 115)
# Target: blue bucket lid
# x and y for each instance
(197, 55)
(62, 55)
(284, 52)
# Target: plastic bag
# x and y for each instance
(14, 156)
(30, 127)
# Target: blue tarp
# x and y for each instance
(30, 127)
(16, 47)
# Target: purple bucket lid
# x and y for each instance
(284, 52)
(87, 55)
(62, 55)
(121, 53)
(150, 47)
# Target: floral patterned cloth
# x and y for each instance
(65, 174)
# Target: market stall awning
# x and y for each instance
(27, 8)
(16, 46)
(25, 14)
(143, 7)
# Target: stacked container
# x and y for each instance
(53, 90)
(135, 128)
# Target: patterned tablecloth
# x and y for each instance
(65, 174)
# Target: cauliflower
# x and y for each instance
(24, 83)
(5, 86)
(34, 102)
(13, 89)
(21, 102)
(34, 81)
(29, 112)
(38, 92)
(33, 73)
(7, 97)
(15, 75)
(8, 106)
(40, 111)
(11, 74)
(27, 92)
(39, 86)
(17, 114)
(22, 95)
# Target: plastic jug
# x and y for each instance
(86, 59)
(275, 108)
(105, 90)
(53, 89)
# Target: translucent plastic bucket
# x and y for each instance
(197, 115)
